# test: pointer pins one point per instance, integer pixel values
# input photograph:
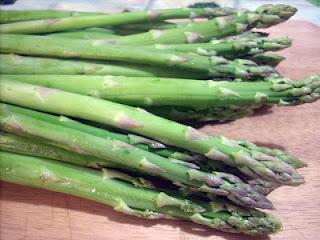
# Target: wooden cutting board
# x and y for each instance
(27, 213)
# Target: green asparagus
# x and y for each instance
(116, 151)
(264, 16)
(252, 162)
(192, 93)
(109, 20)
(31, 147)
(267, 59)
(152, 145)
(228, 48)
(101, 50)
(16, 64)
(138, 141)
(11, 16)
(101, 186)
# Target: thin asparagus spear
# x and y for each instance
(16, 64)
(252, 163)
(138, 141)
(110, 20)
(31, 147)
(133, 158)
(228, 48)
(124, 197)
(296, 163)
(264, 16)
(11, 16)
(192, 93)
(267, 59)
(100, 50)
(27, 146)
(263, 187)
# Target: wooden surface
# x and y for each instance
(27, 213)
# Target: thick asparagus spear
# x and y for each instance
(16, 64)
(264, 16)
(27, 15)
(124, 197)
(110, 20)
(100, 50)
(192, 93)
(253, 163)
(115, 151)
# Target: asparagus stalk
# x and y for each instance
(124, 197)
(192, 93)
(152, 145)
(248, 35)
(267, 59)
(133, 158)
(110, 20)
(27, 15)
(16, 64)
(253, 163)
(229, 48)
(101, 50)
(138, 141)
(264, 16)
(32, 147)
(296, 163)
(263, 187)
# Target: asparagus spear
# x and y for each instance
(133, 158)
(229, 48)
(267, 59)
(32, 147)
(192, 93)
(16, 64)
(100, 50)
(124, 197)
(152, 145)
(110, 20)
(264, 16)
(253, 163)
(11, 16)
(138, 141)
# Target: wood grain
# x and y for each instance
(27, 213)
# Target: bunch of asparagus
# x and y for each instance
(86, 100)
